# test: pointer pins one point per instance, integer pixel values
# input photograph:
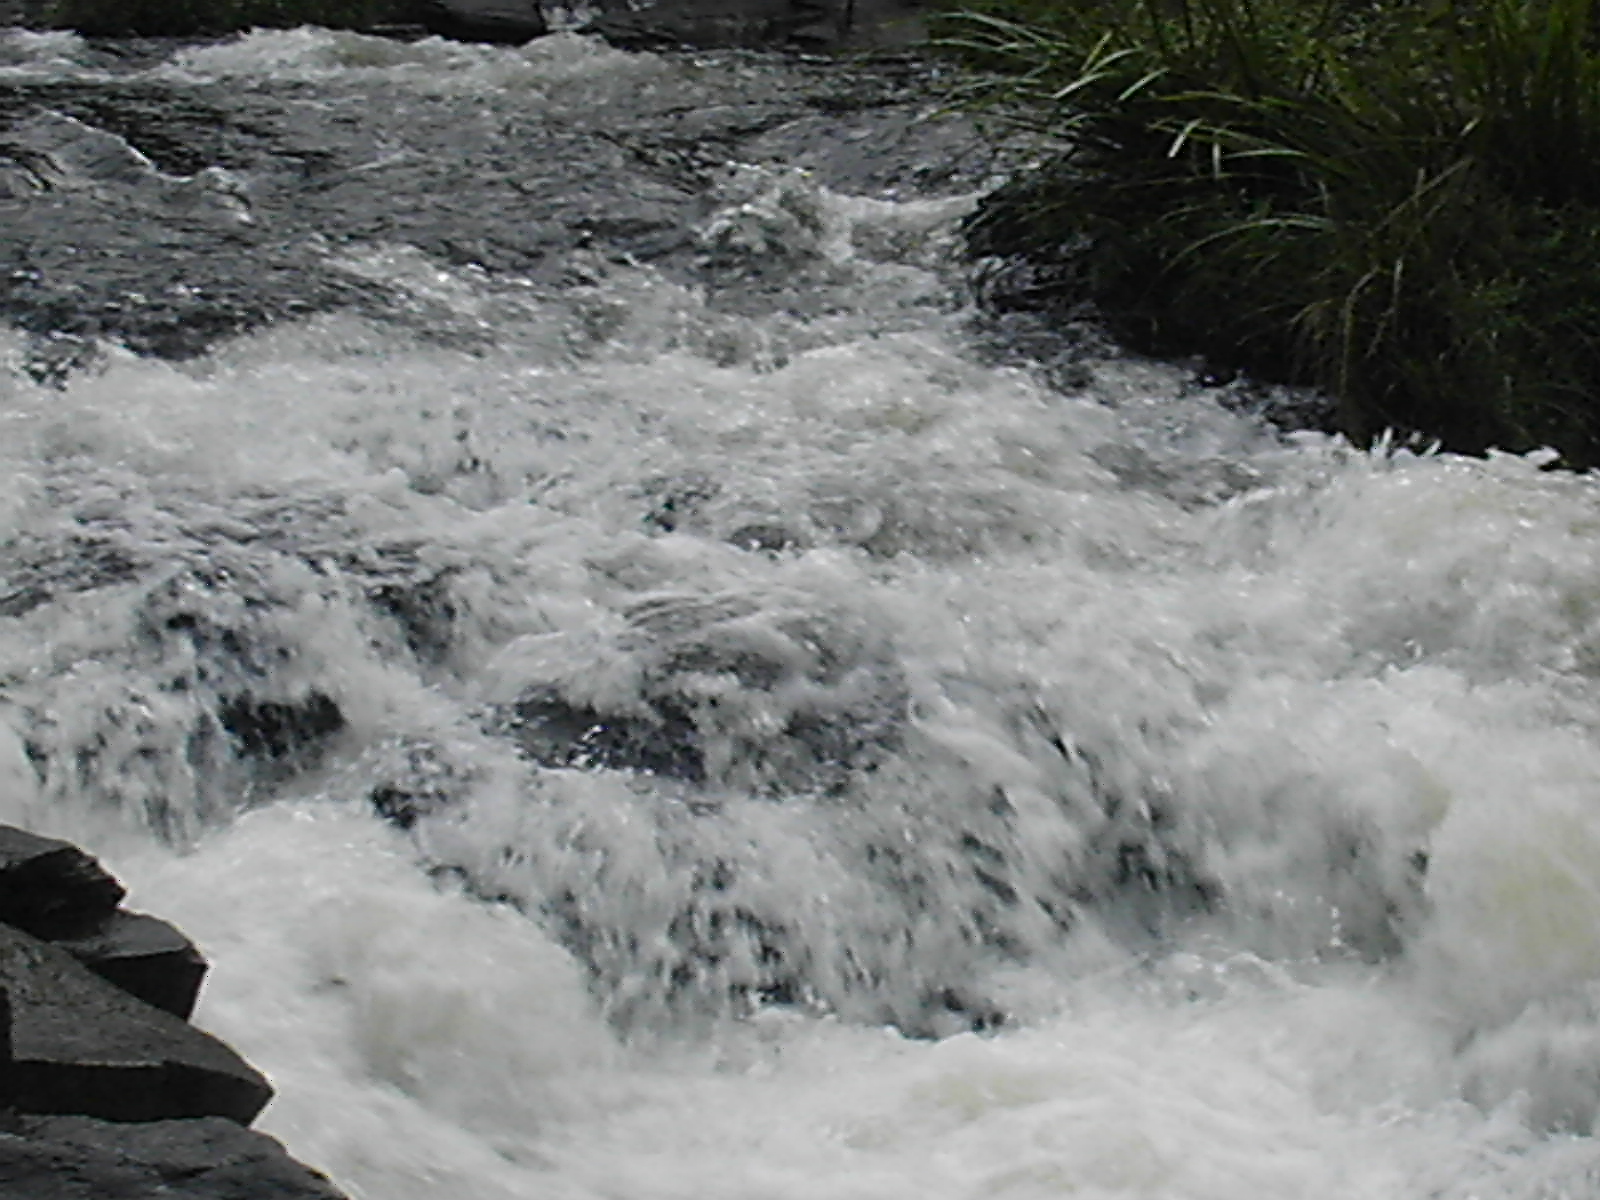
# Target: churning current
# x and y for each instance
(736, 726)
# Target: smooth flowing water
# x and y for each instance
(746, 731)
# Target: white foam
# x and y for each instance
(565, 69)
(1349, 697)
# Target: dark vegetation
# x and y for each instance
(1397, 201)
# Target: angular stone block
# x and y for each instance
(76, 1158)
(83, 1046)
(50, 888)
(145, 957)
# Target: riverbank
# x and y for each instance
(1389, 202)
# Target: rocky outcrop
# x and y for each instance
(82, 1045)
(752, 23)
(52, 890)
(75, 1158)
(106, 1091)
(509, 22)
(759, 24)
(145, 957)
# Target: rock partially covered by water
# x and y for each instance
(762, 24)
(280, 729)
(73, 1158)
(419, 779)
(727, 691)
(753, 23)
(505, 21)
(164, 211)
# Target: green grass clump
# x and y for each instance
(1397, 202)
(182, 18)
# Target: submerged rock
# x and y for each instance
(420, 779)
(558, 732)
(730, 694)
(278, 729)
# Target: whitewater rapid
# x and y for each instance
(1000, 781)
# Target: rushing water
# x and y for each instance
(753, 734)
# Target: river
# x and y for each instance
(647, 692)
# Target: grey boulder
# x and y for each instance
(504, 21)
(50, 888)
(77, 1158)
(145, 957)
(82, 1045)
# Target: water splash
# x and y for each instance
(591, 721)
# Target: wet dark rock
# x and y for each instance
(8, 1061)
(421, 782)
(77, 1158)
(280, 729)
(711, 23)
(401, 582)
(732, 696)
(145, 957)
(29, 14)
(505, 21)
(557, 732)
(760, 24)
(56, 892)
(84, 1046)
(676, 500)
(50, 888)
(106, 1093)
(764, 537)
